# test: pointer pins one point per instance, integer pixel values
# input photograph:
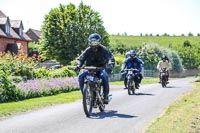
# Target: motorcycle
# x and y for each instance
(131, 76)
(163, 75)
(93, 91)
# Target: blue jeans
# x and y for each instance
(103, 75)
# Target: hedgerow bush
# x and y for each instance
(8, 91)
(18, 65)
(61, 72)
(190, 54)
(119, 59)
(151, 53)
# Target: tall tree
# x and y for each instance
(66, 30)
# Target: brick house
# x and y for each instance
(12, 37)
(34, 34)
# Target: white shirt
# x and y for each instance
(162, 64)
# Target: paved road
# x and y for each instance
(124, 114)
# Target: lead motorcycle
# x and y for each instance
(93, 91)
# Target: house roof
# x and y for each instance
(36, 32)
(13, 24)
(26, 37)
(2, 33)
(3, 21)
(16, 23)
(2, 15)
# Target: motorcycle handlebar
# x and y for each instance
(92, 68)
(132, 69)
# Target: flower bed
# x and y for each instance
(46, 87)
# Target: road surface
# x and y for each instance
(124, 114)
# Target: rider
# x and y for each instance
(127, 54)
(96, 55)
(163, 63)
(133, 62)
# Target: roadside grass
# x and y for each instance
(182, 116)
(7, 109)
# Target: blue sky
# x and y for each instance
(119, 16)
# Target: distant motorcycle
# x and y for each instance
(131, 76)
(163, 75)
(93, 91)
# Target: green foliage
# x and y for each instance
(18, 65)
(190, 54)
(66, 30)
(164, 41)
(41, 72)
(8, 91)
(61, 72)
(151, 54)
(187, 47)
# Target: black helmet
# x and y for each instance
(94, 39)
(164, 57)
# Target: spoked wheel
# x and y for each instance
(164, 82)
(131, 87)
(100, 102)
(87, 100)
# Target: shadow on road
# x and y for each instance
(172, 87)
(147, 94)
(110, 114)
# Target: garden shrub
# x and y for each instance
(18, 65)
(8, 91)
(41, 73)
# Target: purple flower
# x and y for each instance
(40, 85)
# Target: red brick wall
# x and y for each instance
(5, 41)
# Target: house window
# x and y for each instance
(20, 31)
(19, 45)
(7, 28)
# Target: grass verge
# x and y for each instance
(183, 116)
(7, 109)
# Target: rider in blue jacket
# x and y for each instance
(133, 62)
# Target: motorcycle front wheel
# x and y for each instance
(164, 82)
(101, 104)
(87, 100)
(131, 88)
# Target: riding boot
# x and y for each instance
(105, 100)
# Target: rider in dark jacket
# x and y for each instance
(96, 55)
(133, 62)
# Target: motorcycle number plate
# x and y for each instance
(163, 74)
(130, 72)
(90, 78)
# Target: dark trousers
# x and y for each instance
(102, 74)
(137, 78)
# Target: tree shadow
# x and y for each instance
(110, 114)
